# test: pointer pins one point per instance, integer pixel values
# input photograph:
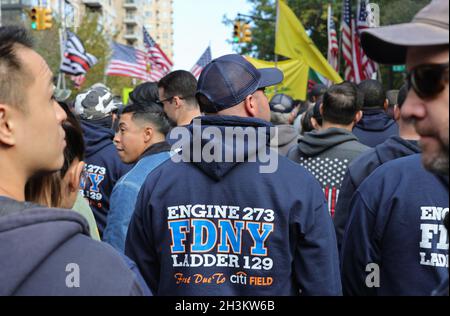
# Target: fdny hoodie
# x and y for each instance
(103, 168)
(375, 127)
(396, 243)
(395, 147)
(209, 228)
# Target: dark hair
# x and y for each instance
(306, 121)
(317, 91)
(74, 138)
(13, 77)
(151, 114)
(180, 83)
(145, 94)
(402, 95)
(316, 111)
(373, 93)
(341, 103)
(45, 189)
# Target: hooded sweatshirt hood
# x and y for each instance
(38, 244)
(286, 137)
(375, 127)
(228, 151)
(317, 142)
(97, 135)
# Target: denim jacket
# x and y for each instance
(125, 192)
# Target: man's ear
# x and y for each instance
(74, 174)
(358, 117)
(148, 134)
(397, 113)
(177, 102)
(386, 105)
(250, 106)
(6, 126)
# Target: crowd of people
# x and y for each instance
(205, 188)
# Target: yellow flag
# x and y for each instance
(296, 75)
(293, 42)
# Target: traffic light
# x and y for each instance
(34, 17)
(47, 18)
(237, 34)
(247, 33)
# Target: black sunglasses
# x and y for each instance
(428, 80)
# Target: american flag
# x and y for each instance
(76, 60)
(201, 63)
(128, 61)
(333, 45)
(369, 67)
(347, 40)
(161, 65)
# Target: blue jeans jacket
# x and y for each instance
(123, 199)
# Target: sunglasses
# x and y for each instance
(428, 80)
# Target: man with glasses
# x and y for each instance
(396, 242)
(177, 94)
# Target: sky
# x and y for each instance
(198, 23)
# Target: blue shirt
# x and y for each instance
(123, 197)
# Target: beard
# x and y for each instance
(438, 161)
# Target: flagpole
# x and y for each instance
(276, 32)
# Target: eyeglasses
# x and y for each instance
(428, 80)
(171, 98)
(166, 100)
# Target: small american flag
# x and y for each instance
(333, 45)
(128, 61)
(369, 67)
(161, 65)
(201, 63)
(347, 40)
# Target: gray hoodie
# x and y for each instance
(49, 252)
(327, 154)
(286, 138)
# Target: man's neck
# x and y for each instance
(12, 178)
(12, 188)
(327, 125)
(186, 117)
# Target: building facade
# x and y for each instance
(122, 20)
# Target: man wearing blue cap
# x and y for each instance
(214, 221)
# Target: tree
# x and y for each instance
(313, 15)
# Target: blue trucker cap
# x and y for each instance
(228, 80)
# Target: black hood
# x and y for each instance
(228, 146)
(316, 142)
(375, 121)
(396, 147)
(97, 135)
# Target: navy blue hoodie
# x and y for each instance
(49, 252)
(395, 147)
(375, 128)
(396, 243)
(208, 229)
(103, 168)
